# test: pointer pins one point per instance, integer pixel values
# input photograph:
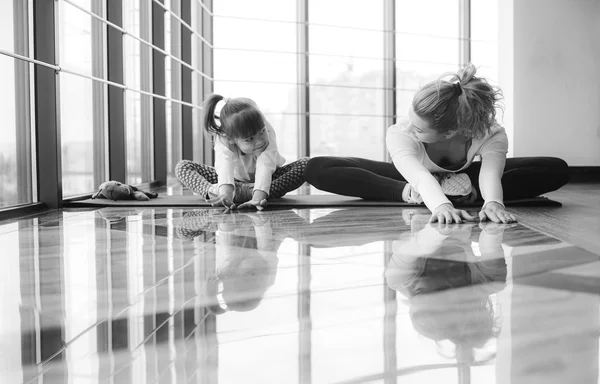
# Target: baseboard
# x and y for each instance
(20, 211)
(584, 174)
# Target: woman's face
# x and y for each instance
(421, 130)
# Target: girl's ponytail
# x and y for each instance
(207, 118)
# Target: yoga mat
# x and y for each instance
(289, 201)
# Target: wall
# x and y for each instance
(549, 69)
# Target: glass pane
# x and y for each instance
(424, 50)
(85, 4)
(133, 123)
(347, 13)
(361, 136)
(484, 38)
(138, 107)
(268, 78)
(16, 165)
(82, 101)
(77, 128)
(15, 161)
(75, 31)
(346, 70)
(7, 33)
(345, 101)
(326, 40)
(254, 34)
(260, 9)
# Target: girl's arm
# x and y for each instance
(406, 155)
(267, 162)
(224, 163)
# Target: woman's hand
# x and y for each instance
(447, 214)
(492, 228)
(497, 213)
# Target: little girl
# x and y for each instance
(450, 122)
(248, 167)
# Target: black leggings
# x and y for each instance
(523, 177)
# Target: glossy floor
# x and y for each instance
(292, 296)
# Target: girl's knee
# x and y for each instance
(182, 167)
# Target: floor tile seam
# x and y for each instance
(201, 321)
(578, 284)
(550, 270)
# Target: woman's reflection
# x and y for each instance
(432, 258)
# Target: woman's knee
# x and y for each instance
(314, 169)
(557, 168)
(561, 169)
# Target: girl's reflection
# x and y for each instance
(245, 254)
(432, 258)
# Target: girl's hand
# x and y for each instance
(446, 213)
(258, 204)
(225, 200)
(497, 213)
(259, 200)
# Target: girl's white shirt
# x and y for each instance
(410, 158)
(231, 164)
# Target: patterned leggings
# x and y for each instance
(199, 177)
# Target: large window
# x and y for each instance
(104, 115)
(130, 82)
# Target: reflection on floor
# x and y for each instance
(292, 296)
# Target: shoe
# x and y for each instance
(455, 184)
(411, 196)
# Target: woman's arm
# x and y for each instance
(406, 155)
(493, 159)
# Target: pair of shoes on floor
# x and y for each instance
(456, 186)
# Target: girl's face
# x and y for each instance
(421, 130)
(254, 145)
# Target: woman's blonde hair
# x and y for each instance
(459, 102)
